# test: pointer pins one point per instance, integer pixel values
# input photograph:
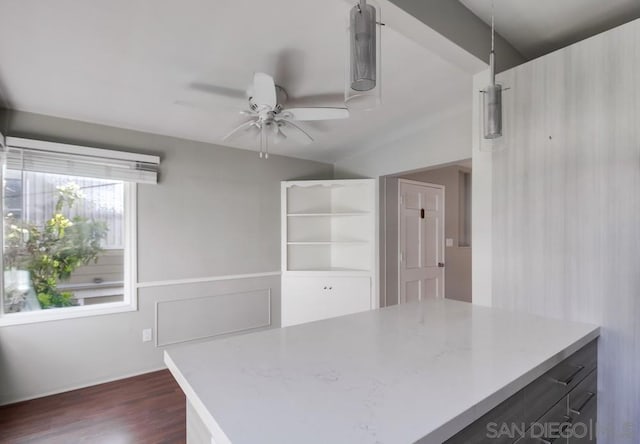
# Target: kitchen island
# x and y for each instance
(414, 372)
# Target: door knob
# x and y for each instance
(441, 264)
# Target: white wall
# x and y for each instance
(215, 212)
(565, 206)
(481, 207)
(444, 137)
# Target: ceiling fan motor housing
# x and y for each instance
(267, 111)
(282, 98)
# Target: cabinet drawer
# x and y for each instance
(492, 426)
(557, 382)
(306, 299)
(577, 413)
(552, 427)
(582, 408)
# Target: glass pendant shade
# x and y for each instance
(363, 76)
(492, 111)
(363, 47)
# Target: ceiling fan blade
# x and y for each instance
(331, 100)
(206, 106)
(264, 90)
(223, 91)
(244, 126)
(316, 113)
(300, 130)
(279, 136)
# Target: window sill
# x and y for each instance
(57, 314)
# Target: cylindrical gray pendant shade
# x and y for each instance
(492, 111)
(363, 73)
(363, 47)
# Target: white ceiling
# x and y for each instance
(536, 27)
(134, 63)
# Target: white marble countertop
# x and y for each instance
(396, 375)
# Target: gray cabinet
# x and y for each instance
(559, 407)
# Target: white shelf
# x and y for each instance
(328, 226)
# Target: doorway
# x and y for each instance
(422, 265)
(421, 240)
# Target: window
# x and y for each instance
(69, 229)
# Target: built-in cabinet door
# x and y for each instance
(307, 299)
(421, 230)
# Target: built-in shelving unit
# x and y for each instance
(327, 232)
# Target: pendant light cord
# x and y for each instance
(492, 55)
(493, 26)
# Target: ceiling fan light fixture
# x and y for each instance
(363, 68)
(269, 116)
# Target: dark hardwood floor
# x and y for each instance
(144, 409)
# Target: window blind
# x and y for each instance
(73, 160)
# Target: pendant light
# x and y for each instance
(363, 74)
(491, 100)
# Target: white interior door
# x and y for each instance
(421, 243)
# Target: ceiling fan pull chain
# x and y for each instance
(266, 146)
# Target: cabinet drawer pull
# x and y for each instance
(325, 287)
(589, 396)
(564, 425)
(571, 377)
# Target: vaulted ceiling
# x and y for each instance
(174, 68)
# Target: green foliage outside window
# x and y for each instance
(52, 252)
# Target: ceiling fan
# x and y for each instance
(268, 117)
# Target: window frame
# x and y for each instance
(130, 302)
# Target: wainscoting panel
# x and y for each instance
(206, 308)
(566, 206)
(183, 320)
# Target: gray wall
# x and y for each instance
(566, 206)
(457, 258)
(215, 212)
